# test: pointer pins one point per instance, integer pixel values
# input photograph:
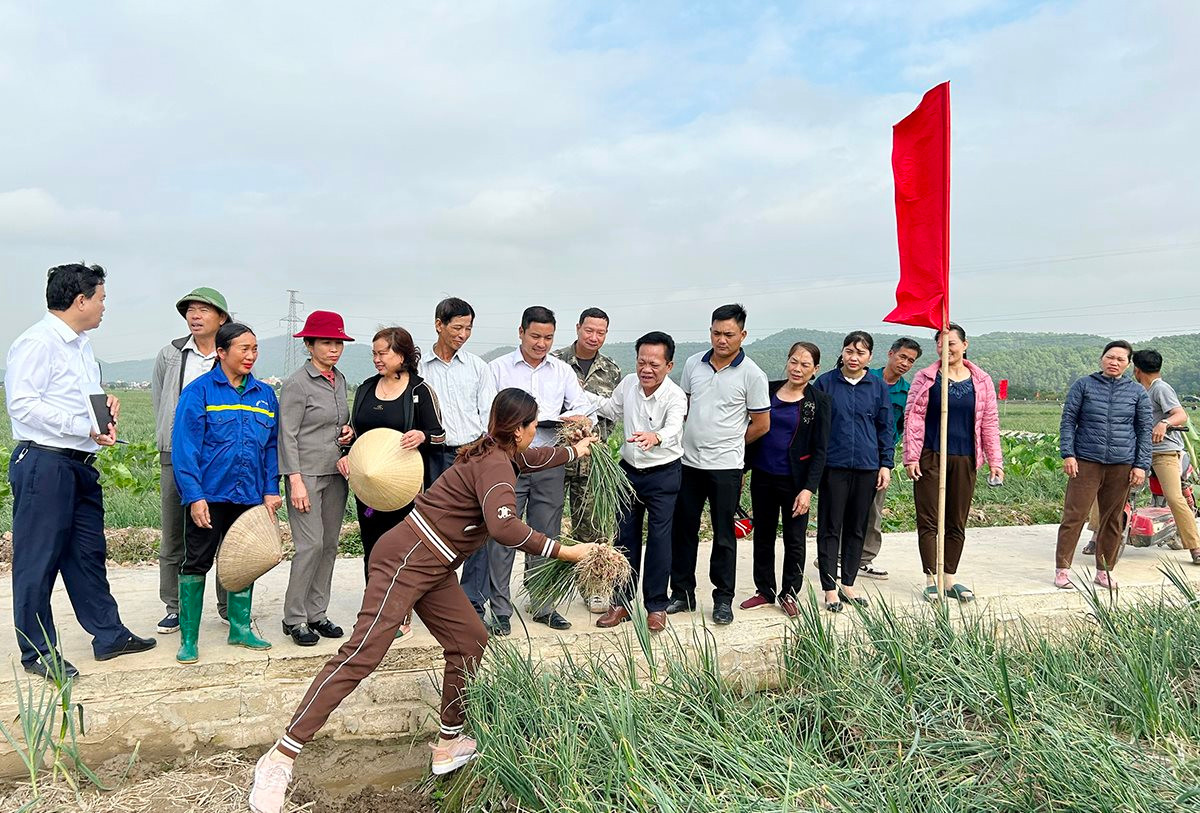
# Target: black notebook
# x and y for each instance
(101, 415)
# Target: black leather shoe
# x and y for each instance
(680, 605)
(130, 647)
(39, 668)
(722, 614)
(553, 620)
(500, 625)
(302, 634)
(326, 629)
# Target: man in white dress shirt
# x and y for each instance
(652, 408)
(465, 391)
(539, 494)
(58, 508)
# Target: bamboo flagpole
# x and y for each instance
(945, 418)
(945, 431)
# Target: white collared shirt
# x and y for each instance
(719, 412)
(196, 363)
(49, 372)
(662, 412)
(465, 391)
(552, 383)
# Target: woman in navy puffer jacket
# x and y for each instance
(1104, 439)
(859, 463)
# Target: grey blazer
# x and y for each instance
(311, 416)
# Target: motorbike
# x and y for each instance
(1153, 524)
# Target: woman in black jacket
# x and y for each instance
(786, 465)
(397, 398)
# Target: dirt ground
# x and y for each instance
(335, 778)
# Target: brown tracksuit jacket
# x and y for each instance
(412, 566)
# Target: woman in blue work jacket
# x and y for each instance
(224, 453)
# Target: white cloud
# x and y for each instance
(35, 215)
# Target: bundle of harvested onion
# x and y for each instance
(609, 492)
(600, 573)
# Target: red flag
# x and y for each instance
(921, 167)
(1004, 389)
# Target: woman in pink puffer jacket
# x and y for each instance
(973, 437)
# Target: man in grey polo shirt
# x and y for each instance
(178, 364)
(1166, 444)
(728, 407)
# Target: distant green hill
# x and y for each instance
(1035, 364)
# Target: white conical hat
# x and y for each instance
(383, 475)
(251, 547)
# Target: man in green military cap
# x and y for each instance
(178, 364)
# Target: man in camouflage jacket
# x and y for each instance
(599, 375)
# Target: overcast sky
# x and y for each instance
(653, 159)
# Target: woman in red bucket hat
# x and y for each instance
(314, 437)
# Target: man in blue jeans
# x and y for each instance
(58, 507)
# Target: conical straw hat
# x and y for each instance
(383, 475)
(251, 547)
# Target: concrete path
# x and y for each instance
(238, 698)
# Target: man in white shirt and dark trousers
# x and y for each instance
(728, 407)
(465, 391)
(539, 494)
(652, 408)
(178, 364)
(58, 508)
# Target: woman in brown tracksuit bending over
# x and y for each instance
(412, 567)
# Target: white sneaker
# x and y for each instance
(872, 572)
(598, 605)
(450, 755)
(271, 779)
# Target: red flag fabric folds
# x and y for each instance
(921, 167)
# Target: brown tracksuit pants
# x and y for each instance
(960, 489)
(1107, 485)
(404, 575)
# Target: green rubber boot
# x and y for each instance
(191, 605)
(240, 633)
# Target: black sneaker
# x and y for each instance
(722, 614)
(132, 646)
(169, 624)
(39, 668)
(326, 629)
(500, 625)
(681, 605)
(301, 634)
(553, 620)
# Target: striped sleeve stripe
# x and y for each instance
(529, 465)
(290, 743)
(549, 546)
(519, 544)
(431, 535)
(239, 408)
(488, 493)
